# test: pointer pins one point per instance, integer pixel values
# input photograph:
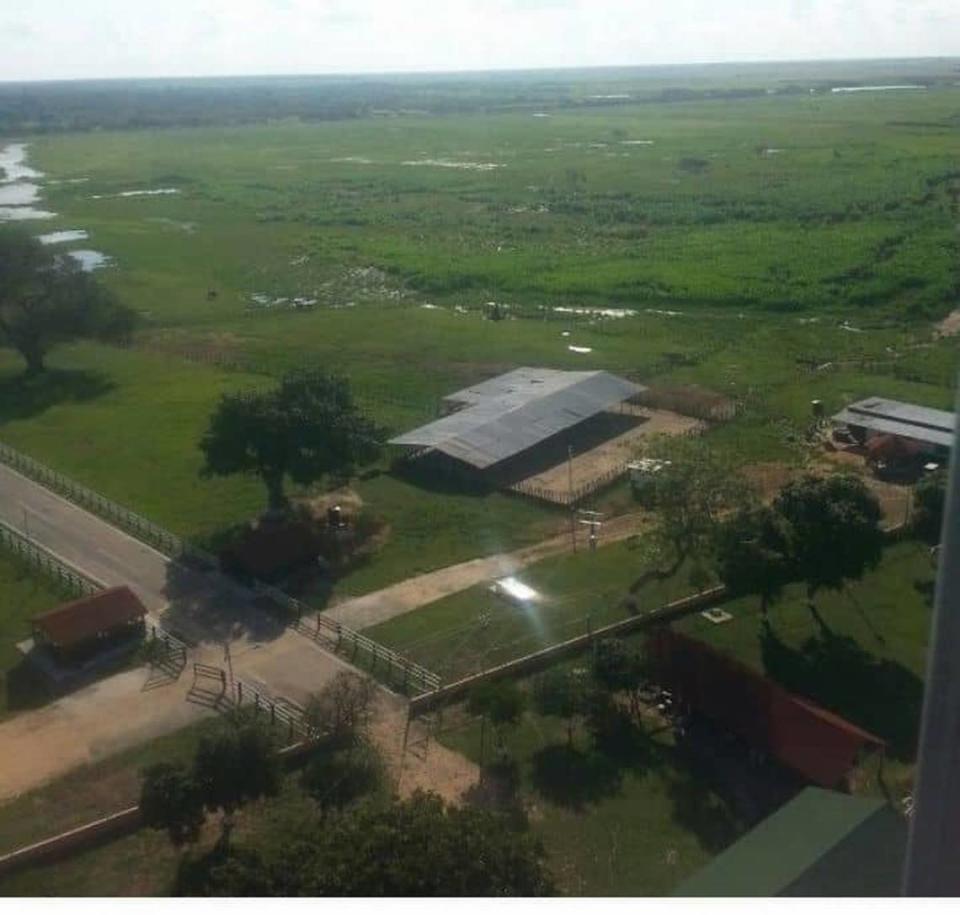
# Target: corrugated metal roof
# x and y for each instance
(922, 424)
(513, 412)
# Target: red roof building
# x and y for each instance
(81, 627)
(816, 744)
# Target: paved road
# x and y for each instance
(127, 709)
(84, 541)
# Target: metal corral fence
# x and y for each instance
(566, 496)
(232, 692)
(169, 649)
(340, 638)
(167, 543)
(328, 631)
(38, 556)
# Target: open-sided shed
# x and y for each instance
(78, 629)
(505, 417)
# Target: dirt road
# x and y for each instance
(379, 606)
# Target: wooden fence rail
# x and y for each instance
(40, 557)
(179, 549)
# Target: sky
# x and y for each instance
(73, 39)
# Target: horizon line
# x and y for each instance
(361, 74)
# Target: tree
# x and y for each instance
(929, 500)
(562, 694)
(47, 298)
(754, 553)
(306, 428)
(688, 496)
(421, 846)
(836, 530)
(619, 668)
(341, 711)
(337, 775)
(235, 764)
(170, 800)
(499, 703)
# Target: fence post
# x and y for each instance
(239, 692)
(256, 703)
(273, 713)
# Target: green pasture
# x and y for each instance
(24, 592)
(635, 822)
(775, 249)
(815, 203)
(866, 660)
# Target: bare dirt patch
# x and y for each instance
(416, 760)
(629, 427)
(949, 326)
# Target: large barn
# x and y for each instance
(491, 430)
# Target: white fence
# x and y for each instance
(328, 631)
(38, 556)
(166, 542)
(335, 635)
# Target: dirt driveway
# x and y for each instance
(613, 453)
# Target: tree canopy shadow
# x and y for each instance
(572, 777)
(23, 397)
(209, 606)
(699, 809)
(878, 694)
(26, 687)
(618, 738)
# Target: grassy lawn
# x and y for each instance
(88, 419)
(90, 791)
(24, 592)
(631, 822)
(474, 629)
(141, 864)
(867, 666)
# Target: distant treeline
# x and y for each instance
(129, 104)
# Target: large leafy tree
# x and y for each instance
(688, 496)
(754, 553)
(501, 703)
(415, 847)
(619, 668)
(563, 693)
(234, 764)
(306, 428)
(836, 529)
(170, 800)
(47, 298)
(341, 712)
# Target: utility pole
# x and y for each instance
(934, 844)
(594, 521)
(573, 512)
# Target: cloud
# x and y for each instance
(92, 38)
(18, 31)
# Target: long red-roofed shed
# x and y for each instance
(813, 742)
(83, 625)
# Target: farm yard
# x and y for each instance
(753, 240)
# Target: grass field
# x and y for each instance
(867, 665)
(754, 238)
(24, 592)
(630, 823)
(474, 629)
